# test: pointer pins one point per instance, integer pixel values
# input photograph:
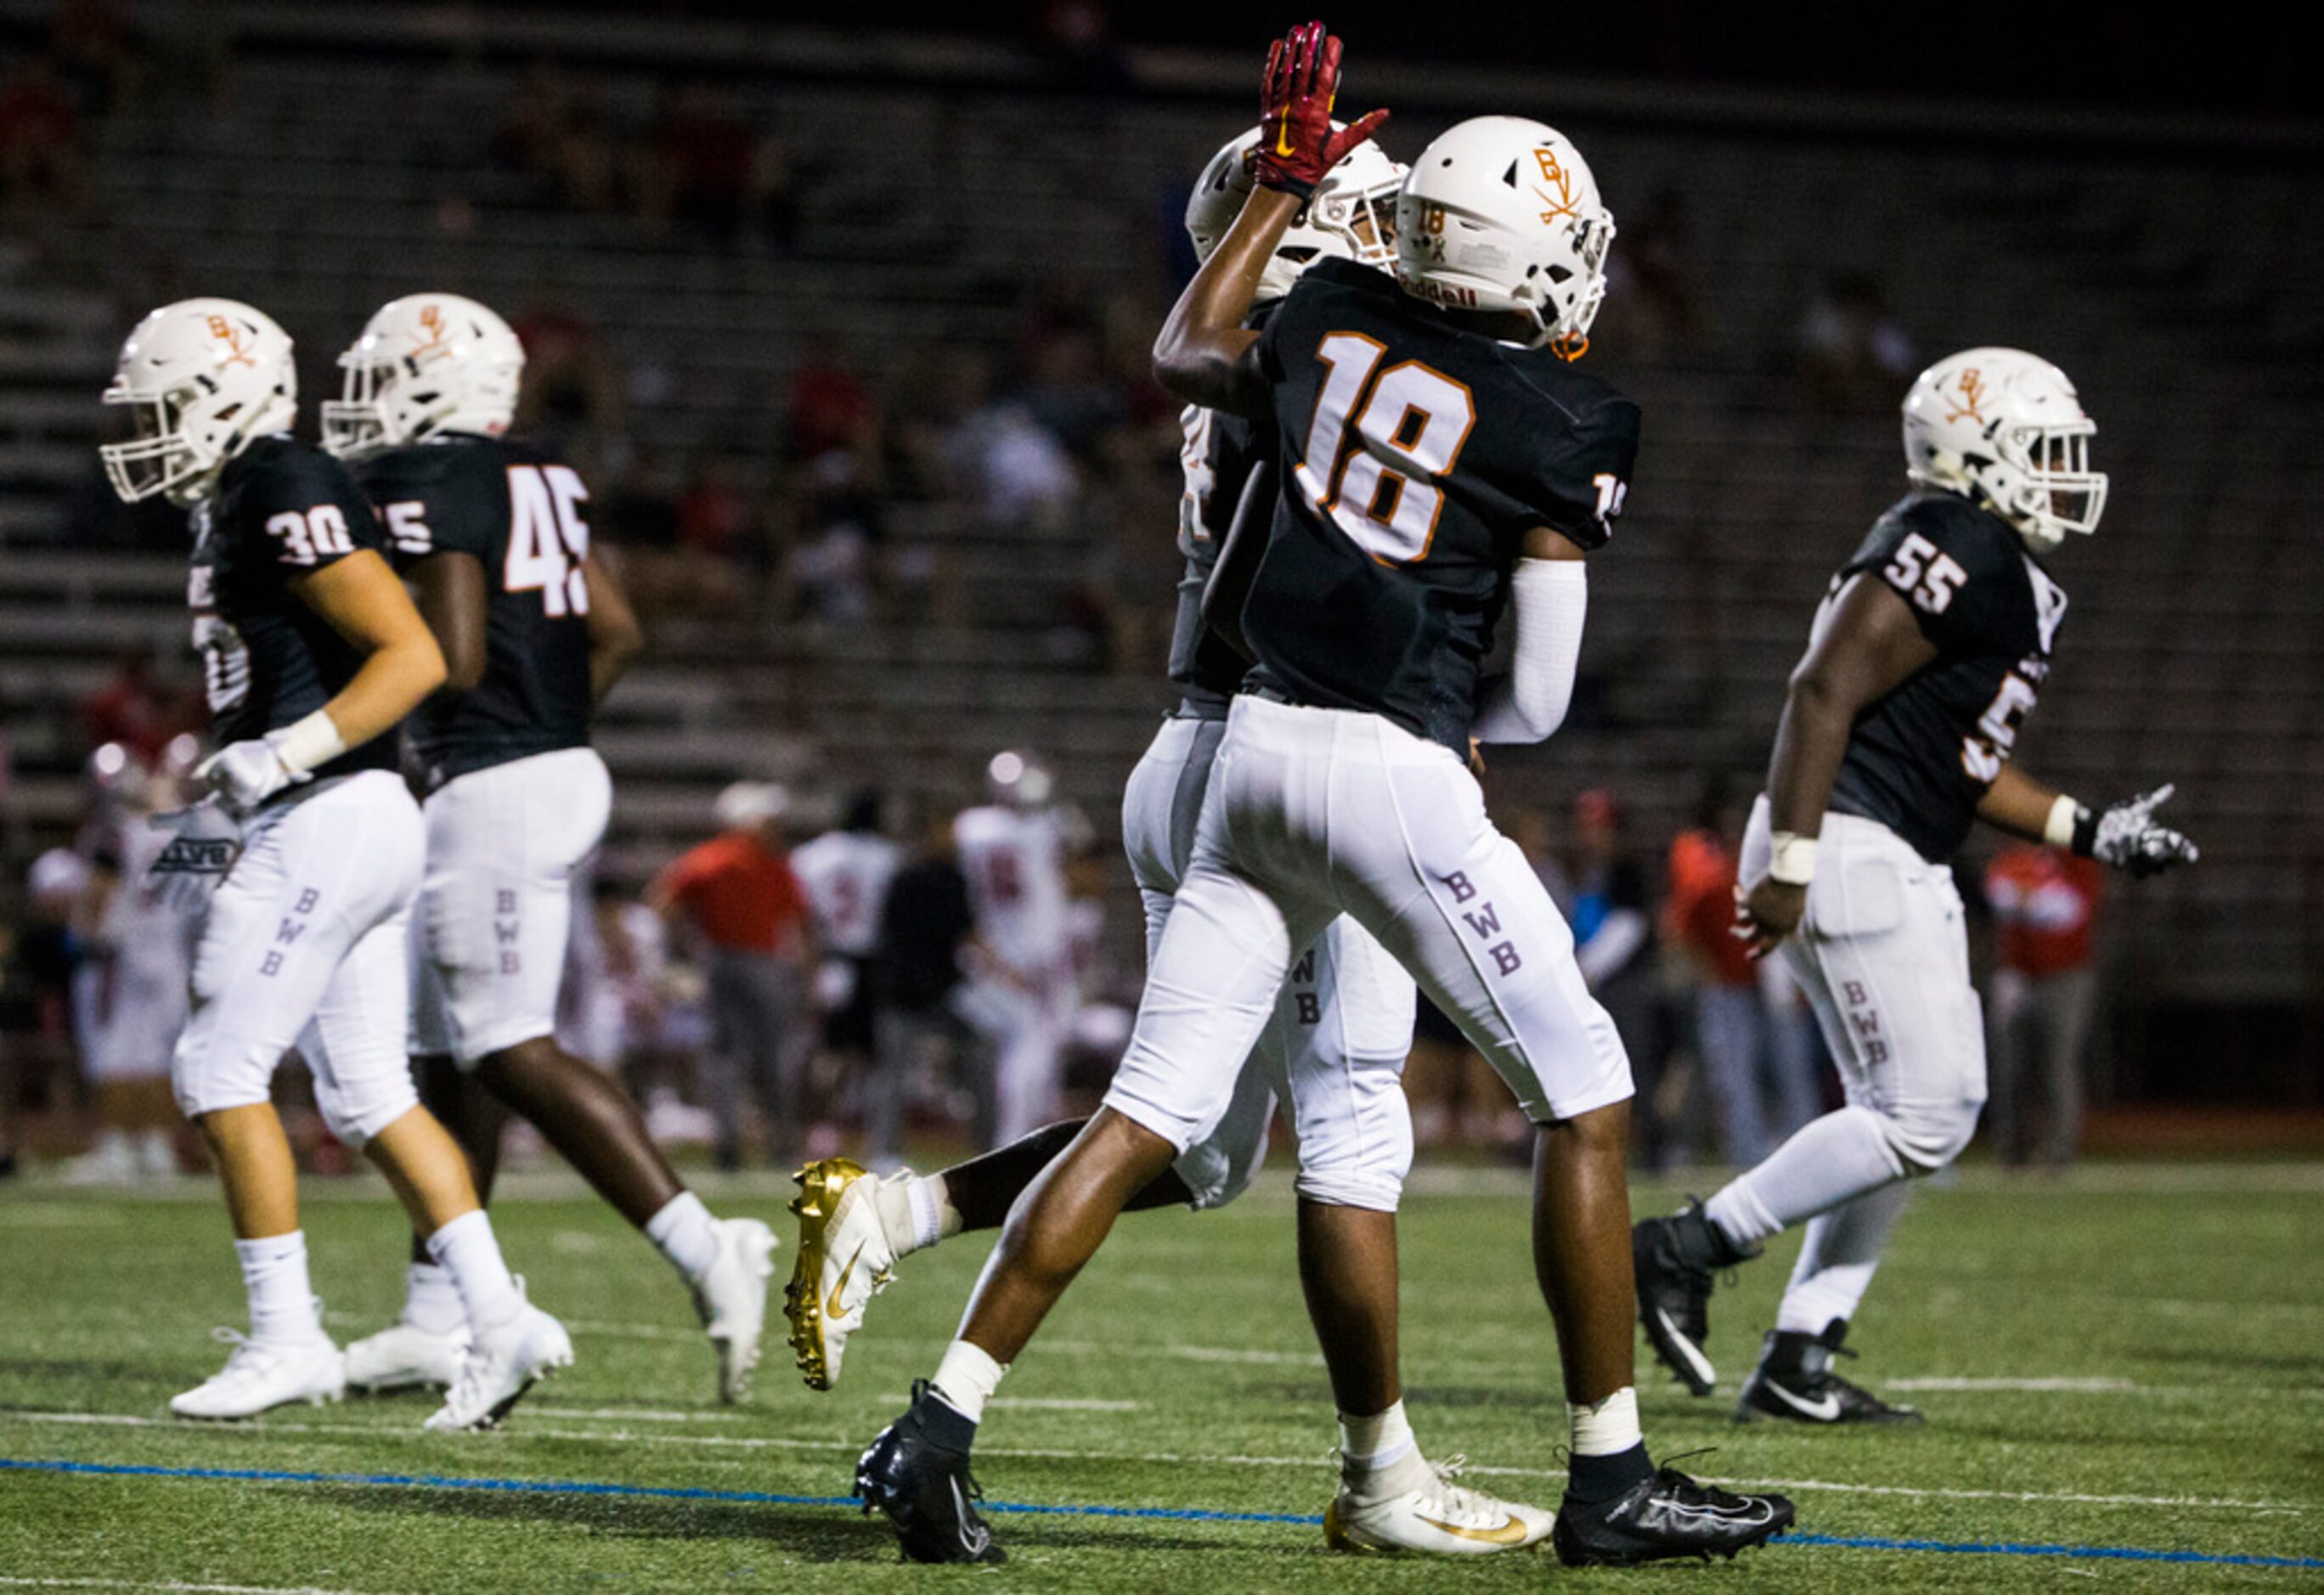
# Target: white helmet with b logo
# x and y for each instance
(1349, 216)
(2005, 428)
(425, 364)
(1502, 213)
(204, 377)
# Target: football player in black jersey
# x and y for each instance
(494, 536)
(1925, 658)
(313, 655)
(1334, 1051)
(1439, 466)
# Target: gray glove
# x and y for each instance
(2126, 836)
(205, 840)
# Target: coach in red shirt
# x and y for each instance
(735, 894)
(2045, 907)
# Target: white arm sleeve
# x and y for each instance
(1622, 933)
(1548, 598)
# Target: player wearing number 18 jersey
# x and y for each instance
(494, 536)
(1927, 656)
(1342, 785)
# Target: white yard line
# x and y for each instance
(1319, 1460)
(30, 1583)
(2091, 1386)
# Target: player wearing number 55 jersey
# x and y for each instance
(312, 654)
(1927, 658)
(494, 536)
(1440, 468)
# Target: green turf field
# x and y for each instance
(2133, 1358)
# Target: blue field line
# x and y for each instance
(1168, 1514)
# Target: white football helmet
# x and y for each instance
(206, 377)
(425, 364)
(2005, 426)
(1362, 186)
(1502, 213)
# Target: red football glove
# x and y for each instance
(1298, 145)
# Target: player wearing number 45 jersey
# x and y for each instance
(1440, 468)
(494, 536)
(1925, 660)
(312, 654)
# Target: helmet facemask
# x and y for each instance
(162, 457)
(2055, 490)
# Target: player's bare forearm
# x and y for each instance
(1205, 355)
(615, 637)
(2019, 804)
(1866, 648)
(449, 589)
(362, 600)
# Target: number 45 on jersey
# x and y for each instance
(547, 541)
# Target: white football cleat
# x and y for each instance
(501, 1366)
(1434, 1516)
(730, 1298)
(263, 1375)
(844, 1261)
(399, 1357)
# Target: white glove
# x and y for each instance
(2126, 836)
(244, 775)
(204, 842)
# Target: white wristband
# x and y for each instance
(1791, 858)
(2059, 832)
(304, 744)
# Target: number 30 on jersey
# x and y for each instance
(1383, 491)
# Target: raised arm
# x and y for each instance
(1204, 355)
(1864, 648)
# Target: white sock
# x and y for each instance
(916, 1211)
(1368, 1445)
(1838, 1260)
(1835, 1159)
(468, 1253)
(966, 1379)
(1606, 1428)
(684, 1231)
(282, 1301)
(431, 1302)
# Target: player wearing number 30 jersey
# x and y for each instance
(1437, 472)
(495, 536)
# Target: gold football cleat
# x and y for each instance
(844, 1261)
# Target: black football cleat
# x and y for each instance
(926, 1491)
(1794, 1382)
(1675, 1261)
(1665, 1517)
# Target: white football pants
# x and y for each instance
(1336, 1046)
(304, 945)
(1883, 956)
(1315, 813)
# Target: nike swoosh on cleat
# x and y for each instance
(1824, 1410)
(1686, 1348)
(1509, 1533)
(831, 1302)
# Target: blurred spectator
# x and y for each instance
(95, 52)
(832, 565)
(1853, 355)
(1748, 1052)
(552, 132)
(571, 400)
(710, 168)
(846, 873)
(2044, 907)
(926, 926)
(827, 405)
(736, 895)
(1655, 298)
(42, 166)
(132, 709)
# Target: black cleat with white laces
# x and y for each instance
(1676, 1260)
(1794, 1382)
(1663, 1518)
(922, 1483)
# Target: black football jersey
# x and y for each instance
(521, 515)
(1920, 759)
(1220, 453)
(1416, 455)
(282, 509)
